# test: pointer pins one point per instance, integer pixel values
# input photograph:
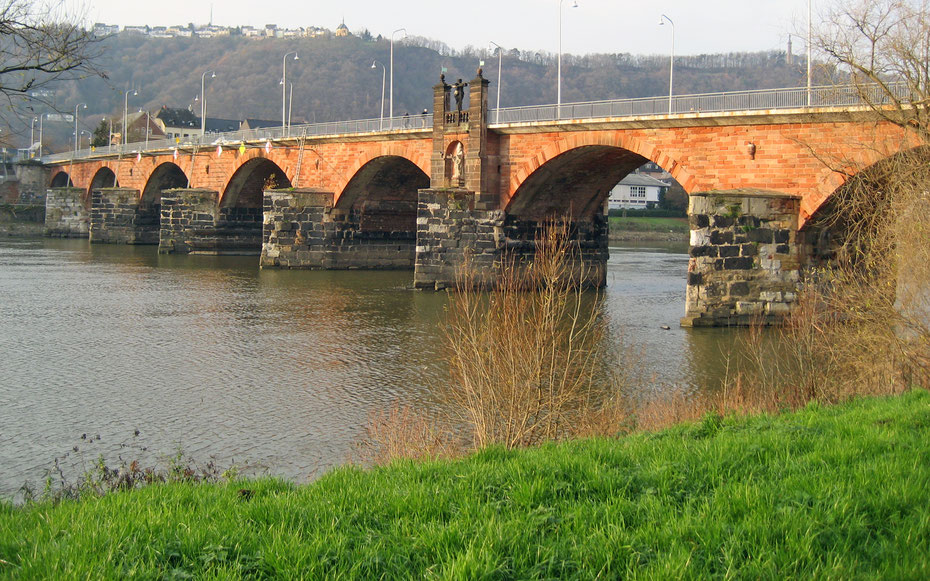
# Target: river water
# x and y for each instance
(280, 369)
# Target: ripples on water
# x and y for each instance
(270, 367)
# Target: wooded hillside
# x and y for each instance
(333, 78)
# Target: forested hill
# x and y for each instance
(334, 79)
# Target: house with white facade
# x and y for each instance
(635, 191)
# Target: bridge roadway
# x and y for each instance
(423, 191)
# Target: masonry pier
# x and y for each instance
(192, 222)
(67, 213)
(303, 229)
(745, 264)
(118, 216)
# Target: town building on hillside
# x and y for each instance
(343, 30)
(636, 191)
(101, 29)
(183, 124)
(136, 128)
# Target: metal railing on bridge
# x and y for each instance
(233, 138)
(732, 101)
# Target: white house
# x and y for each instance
(635, 191)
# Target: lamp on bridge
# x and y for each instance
(203, 101)
(284, 92)
(124, 138)
(559, 89)
(671, 65)
(500, 62)
(383, 73)
(391, 111)
(76, 107)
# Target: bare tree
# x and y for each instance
(884, 44)
(40, 44)
(874, 287)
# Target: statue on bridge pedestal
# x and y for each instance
(459, 94)
(458, 165)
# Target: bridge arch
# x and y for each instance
(382, 196)
(592, 145)
(573, 183)
(104, 178)
(165, 176)
(61, 180)
(246, 186)
(392, 150)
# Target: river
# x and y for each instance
(279, 369)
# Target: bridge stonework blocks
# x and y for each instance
(118, 217)
(66, 213)
(302, 229)
(745, 263)
(452, 231)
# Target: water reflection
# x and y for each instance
(276, 367)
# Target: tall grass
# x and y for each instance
(524, 357)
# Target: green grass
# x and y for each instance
(679, 225)
(840, 492)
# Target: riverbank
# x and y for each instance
(639, 229)
(834, 492)
(22, 220)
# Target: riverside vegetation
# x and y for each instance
(823, 492)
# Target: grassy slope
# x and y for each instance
(837, 492)
(648, 224)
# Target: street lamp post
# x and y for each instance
(290, 106)
(284, 91)
(671, 61)
(32, 135)
(41, 122)
(203, 101)
(125, 136)
(76, 107)
(148, 124)
(500, 62)
(391, 111)
(383, 73)
(559, 88)
(809, 27)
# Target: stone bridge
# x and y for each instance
(423, 197)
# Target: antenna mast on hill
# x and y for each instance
(211, 13)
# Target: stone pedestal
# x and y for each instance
(745, 264)
(66, 213)
(302, 229)
(118, 217)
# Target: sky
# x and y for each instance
(594, 26)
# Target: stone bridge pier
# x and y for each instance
(119, 216)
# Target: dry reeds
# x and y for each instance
(524, 357)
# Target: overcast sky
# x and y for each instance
(609, 26)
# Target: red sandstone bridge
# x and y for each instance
(419, 192)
